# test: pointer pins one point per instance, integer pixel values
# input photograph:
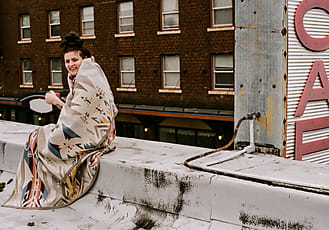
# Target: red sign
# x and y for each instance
(310, 93)
(315, 44)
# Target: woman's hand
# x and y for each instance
(51, 98)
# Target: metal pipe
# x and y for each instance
(250, 177)
(248, 149)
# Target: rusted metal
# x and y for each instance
(260, 67)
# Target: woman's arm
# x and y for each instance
(51, 98)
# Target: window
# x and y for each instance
(188, 136)
(127, 71)
(25, 27)
(171, 72)
(222, 13)
(167, 134)
(27, 71)
(223, 71)
(124, 129)
(170, 14)
(56, 71)
(126, 17)
(54, 24)
(87, 20)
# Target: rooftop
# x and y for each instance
(144, 185)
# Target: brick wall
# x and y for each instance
(194, 46)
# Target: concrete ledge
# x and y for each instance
(151, 174)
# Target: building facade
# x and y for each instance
(169, 63)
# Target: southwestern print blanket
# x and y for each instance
(60, 162)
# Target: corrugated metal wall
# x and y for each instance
(300, 60)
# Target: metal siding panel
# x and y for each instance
(260, 66)
(300, 61)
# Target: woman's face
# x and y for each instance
(72, 61)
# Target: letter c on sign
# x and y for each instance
(315, 44)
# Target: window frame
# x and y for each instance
(163, 72)
(24, 27)
(126, 71)
(213, 25)
(82, 21)
(120, 17)
(54, 24)
(26, 71)
(213, 73)
(163, 28)
(55, 71)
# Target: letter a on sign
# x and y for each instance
(317, 94)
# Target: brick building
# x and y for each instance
(169, 62)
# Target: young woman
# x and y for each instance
(60, 162)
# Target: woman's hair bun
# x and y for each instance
(71, 42)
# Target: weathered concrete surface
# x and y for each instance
(144, 183)
(92, 212)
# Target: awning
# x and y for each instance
(177, 112)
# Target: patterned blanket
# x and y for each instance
(60, 162)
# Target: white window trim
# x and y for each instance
(221, 28)
(164, 79)
(122, 17)
(170, 71)
(213, 16)
(130, 89)
(54, 39)
(28, 86)
(123, 35)
(173, 27)
(24, 72)
(24, 27)
(225, 71)
(52, 77)
(127, 71)
(90, 20)
(231, 87)
(130, 16)
(24, 42)
(88, 37)
(168, 32)
(130, 85)
(176, 27)
(55, 87)
(219, 91)
(168, 90)
(54, 24)
(52, 74)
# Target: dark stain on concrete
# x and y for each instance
(144, 222)
(184, 186)
(3, 147)
(2, 186)
(31, 224)
(160, 180)
(156, 177)
(268, 222)
(146, 203)
(100, 196)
